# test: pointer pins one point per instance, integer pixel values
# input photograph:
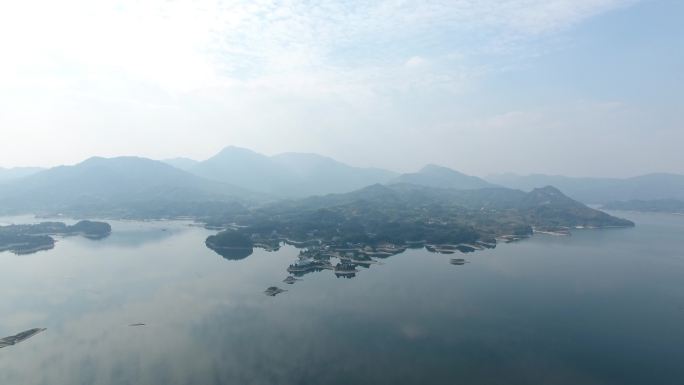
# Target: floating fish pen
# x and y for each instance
(273, 291)
(15, 339)
(308, 265)
(290, 280)
(442, 249)
(466, 248)
(345, 268)
(301, 244)
(510, 238)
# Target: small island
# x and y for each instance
(90, 229)
(231, 245)
(27, 239)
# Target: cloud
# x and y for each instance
(415, 61)
(184, 45)
(110, 77)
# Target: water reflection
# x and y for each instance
(138, 234)
(233, 253)
(290, 280)
(344, 261)
(548, 310)
(272, 291)
(458, 261)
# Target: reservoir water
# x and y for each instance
(598, 307)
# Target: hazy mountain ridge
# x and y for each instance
(443, 177)
(126, 186)
(546, 206)
(550, 207)
(100, 185)
(182, 163)
(10, 174)
(288, 174)
(404, 213)
(601, 190)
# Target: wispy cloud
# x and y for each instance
(274, 75)
(184, 45)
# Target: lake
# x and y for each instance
(598, 307)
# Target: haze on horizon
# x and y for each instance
(574, 87)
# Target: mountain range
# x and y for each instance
(287, 175)
(238, 178)
(404, 213)
(115, 186)
(10, 174)
(545, 206)
(181, 163)
(443, 177)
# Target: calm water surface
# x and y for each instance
(600, 307)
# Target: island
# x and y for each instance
(90, 229)
(379, 221)
(231, 244)
(30, 238)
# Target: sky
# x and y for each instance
(573, 87)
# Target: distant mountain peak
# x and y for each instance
(10, 174)
(430, 166)
(182, 163)
(548, 190)
(433, 175)
(121, 158)
(114, 185)
(548, 195)
(94, 159)
(377, 187)
(237, 150)
(288, 174)
(602, 190)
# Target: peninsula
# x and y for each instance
(380, 220)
